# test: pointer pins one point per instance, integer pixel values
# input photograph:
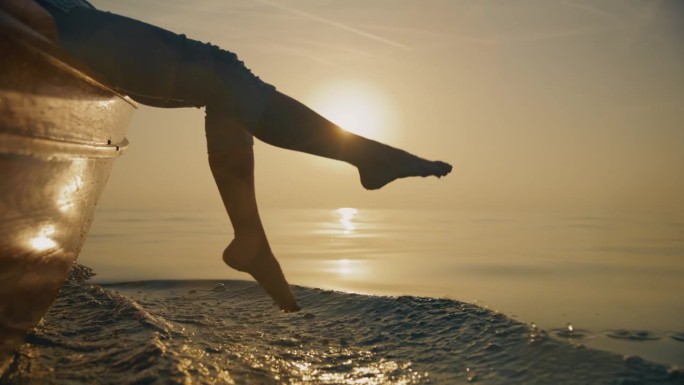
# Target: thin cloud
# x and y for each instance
(337, 25)
(590, 8)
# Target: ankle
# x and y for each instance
(245, 248)
(256, 235)
(357, 150)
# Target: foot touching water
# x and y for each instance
(253, 255)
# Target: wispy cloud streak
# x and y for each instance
(590, 8)
(336, 25)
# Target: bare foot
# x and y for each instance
(253, 255)
(383, 168)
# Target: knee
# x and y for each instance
(223, 133)
(237, 91)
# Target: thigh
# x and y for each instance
(161, 68)
(223, 132)
(152, 65)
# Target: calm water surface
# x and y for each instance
(615, 281)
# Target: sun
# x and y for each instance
(356, 107)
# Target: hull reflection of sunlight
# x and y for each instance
(43, 241)
(68, 197)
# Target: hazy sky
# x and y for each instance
(538, 104)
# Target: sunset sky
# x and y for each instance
(567, 105)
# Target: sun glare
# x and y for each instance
(356, 107)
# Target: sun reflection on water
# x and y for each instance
(346, 216)
(365, 368)
(347, 269)
(344, 267)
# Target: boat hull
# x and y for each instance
(60, 132)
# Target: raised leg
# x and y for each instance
(250, 251)
(164, 69)
(160, 68)
(289, 124)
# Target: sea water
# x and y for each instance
(441, 297)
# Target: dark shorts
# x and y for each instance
(160, 68)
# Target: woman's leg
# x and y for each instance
(149, 62)
(231, 159)
(160, 68)
(290, 124)
(249, 251)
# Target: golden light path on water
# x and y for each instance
(346, 227)
(376, 373)
(372, 370)
(347, 214)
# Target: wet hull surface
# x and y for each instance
(60, 132)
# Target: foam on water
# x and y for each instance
(211, 332)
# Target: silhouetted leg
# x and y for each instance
(231, 159)
(290, 124)
(159, 67)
